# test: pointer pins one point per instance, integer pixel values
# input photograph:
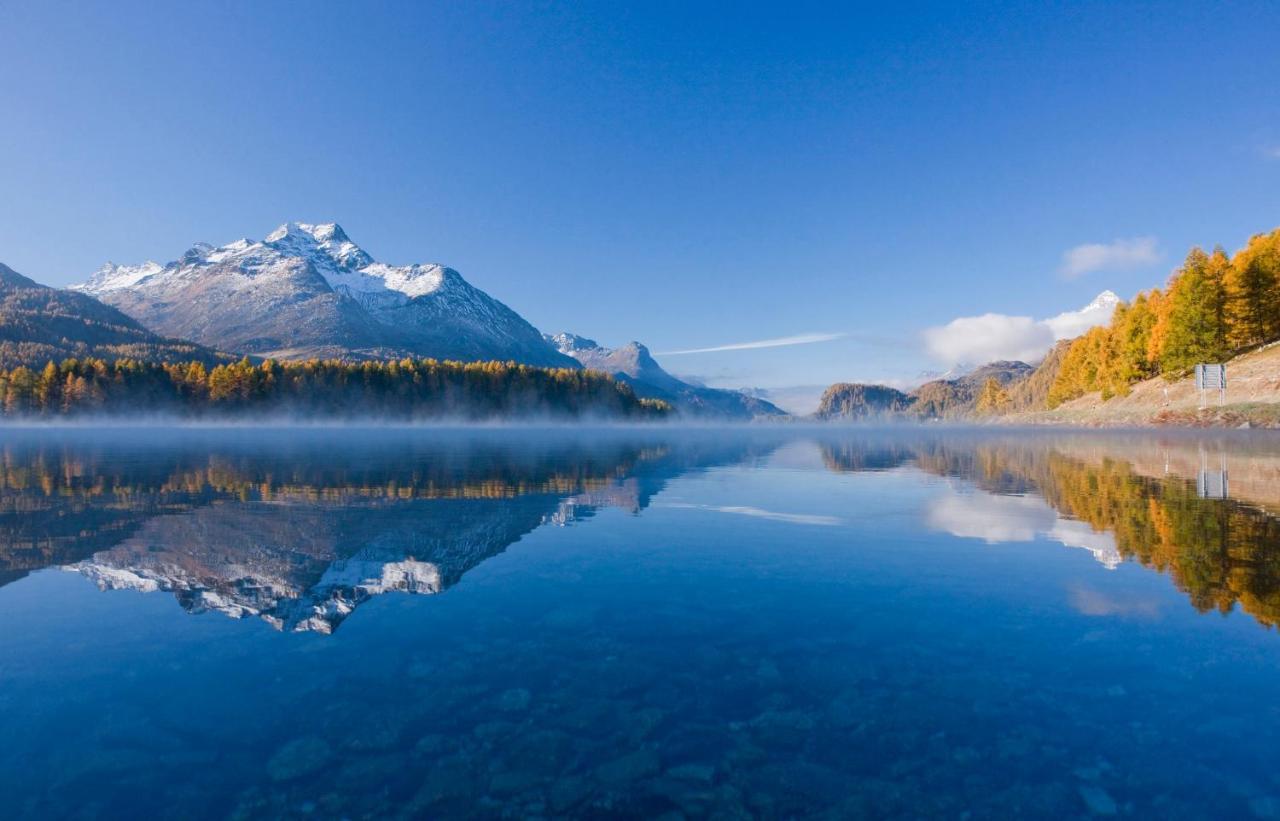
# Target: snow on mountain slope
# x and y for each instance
(1070, 324)
(308, 290)
(633, 364)
(632, 360)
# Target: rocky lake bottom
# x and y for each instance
(638, 623)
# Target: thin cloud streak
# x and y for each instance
(780, 342)
(759, 513)
(1118, 255)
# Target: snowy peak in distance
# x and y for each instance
(1069, 324)
(111, 277)
(632, 363)
(567, 343)
(308, 290)
(1103, 301)
(954, 372)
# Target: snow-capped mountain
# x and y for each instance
(954, 372)
(308, 290)
(304, 567)
(1069, 324)
(632, 363)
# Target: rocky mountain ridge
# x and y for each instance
(632, 363)
(940, 399)
(307, 290)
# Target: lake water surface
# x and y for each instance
(781, 623)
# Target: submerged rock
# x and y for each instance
(629, 768)
(514, 700)
(299, 757)
(430, 744)
(1098, 800)
(567, 793)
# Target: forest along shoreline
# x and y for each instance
(404, 390)
(1251, 400)
(1137, 370)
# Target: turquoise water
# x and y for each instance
(611, 623)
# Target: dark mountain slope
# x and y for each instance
(39, 324)
(846, 400)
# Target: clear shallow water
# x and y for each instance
(632, 624)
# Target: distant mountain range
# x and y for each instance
(954, 394)
(633, 364)
(39, 324)
(939, 399)
(309, 291)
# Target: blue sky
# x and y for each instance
(691, 176)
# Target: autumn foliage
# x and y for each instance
(1212, 308)
(407, 389)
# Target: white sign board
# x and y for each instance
(1211, 377)
(1212, 484)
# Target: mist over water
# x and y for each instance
(629, 622)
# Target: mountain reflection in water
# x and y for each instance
(250, 530)
(633, 623)
(301, 530)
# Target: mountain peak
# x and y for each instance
(307, 290)
(1105, 299)
(8, 276)
(326, 239)
(567, 342)
(112, 277)
(632, 363)
(320, 232)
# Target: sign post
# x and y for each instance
(1213, 484)
(1209, 378)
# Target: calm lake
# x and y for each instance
(790, 622)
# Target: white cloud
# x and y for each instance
(780, 342)
(993, 519)
(998, 519)
(986, 338)
(1118, 255)
(1070, 324)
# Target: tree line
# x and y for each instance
(403, 390)
(1213, 307)
(1219, 553)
